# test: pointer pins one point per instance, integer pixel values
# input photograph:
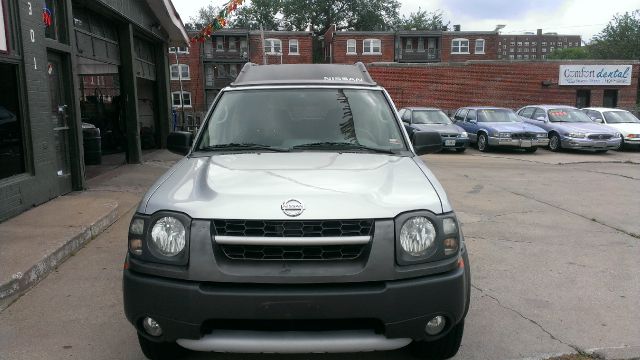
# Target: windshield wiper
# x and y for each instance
(342, 146)
(241, 146)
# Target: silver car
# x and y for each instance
(570, 128)
(301, 220)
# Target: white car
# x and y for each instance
(622, 120)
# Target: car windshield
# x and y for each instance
(430, 117)
(314, 119)
(497, 115)
(568, 115)
(619, 117)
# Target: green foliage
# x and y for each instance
(570, 53)
(620, 39)
(259, 12)
(423, 20)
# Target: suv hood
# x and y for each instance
(329, 185)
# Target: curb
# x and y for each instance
(20, 283)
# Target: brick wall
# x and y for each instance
(491, 83)
(490, 46)
(339, 48)
(195, 85)
(305, 48)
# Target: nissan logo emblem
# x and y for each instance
(292, 208)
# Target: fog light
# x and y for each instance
(450, 246)
(435, 325)
(135, 246)
(152, 327)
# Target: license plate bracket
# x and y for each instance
(449, 143)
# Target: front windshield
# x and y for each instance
(568, 115)
(620, 117)
(284, 119)
(497, 115)
(430, 117)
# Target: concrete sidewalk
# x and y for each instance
(34, 243)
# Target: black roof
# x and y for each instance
(303, 74)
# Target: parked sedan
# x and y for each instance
(431, 119)
(492, 126)
(570, 128)
(622, 120)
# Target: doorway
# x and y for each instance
(583, 98)
(610, 99)
(59, 107)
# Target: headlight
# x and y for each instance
(464, 134)
(505, 135)
(576, 135)
(168, 236)
(542, 135)
(617, 135)
(417, 236)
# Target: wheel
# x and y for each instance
(159, 351)
(531, 149)
(483, 142)
(621, 147)
(444, 348)
(461, 150)
(554, 142)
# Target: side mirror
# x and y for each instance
(541, 118)
(473, 121)
(180, 142)
(406, 121)
(427, 142)
(599, 121)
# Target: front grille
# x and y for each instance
(600, 136)
(272, 252)
(524, 136)
(291, 228)
(448, 136)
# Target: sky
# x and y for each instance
(581, 17)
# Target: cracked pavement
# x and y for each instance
(554, 256)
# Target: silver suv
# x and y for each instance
(301, 220)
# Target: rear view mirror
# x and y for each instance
(180, 142)
(427, 142)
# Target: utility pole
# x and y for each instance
(264, 55)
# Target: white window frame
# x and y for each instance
(181, 98)
(297, 45)
(352, 43)
(372, 47)
(272, 46)
(181, 68)
(483, 46)
(179, 50)
(457, 46)
(219, 43)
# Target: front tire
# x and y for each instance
(160, 350)
(483, 142)
(444, 348)
(555, 144)
(621, 147)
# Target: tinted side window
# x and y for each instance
(539, 113)
(460, 114)
(472, 115)
(527, 112)
(594, 114)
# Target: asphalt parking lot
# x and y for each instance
(554, 241)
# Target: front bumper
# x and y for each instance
(519, 143)
(191, 310)
(632, 142)
(588, 144)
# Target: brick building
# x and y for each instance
(187, 86)
(497, 83)
(348, 47)
(469, 45)
(281, 47)
(534, 46)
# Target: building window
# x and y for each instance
(544, 50)
(420, 44)
(351, 47)
(533, 56)
(293, 47)
(519, 43)
(511, 57)
(55, 10)
(273, 46)
(372, 46)
(460, 46)
(178, 70)
(559, 43)
(513, 43)
(511, 50)
(233, 70)
(533, 50)
(12, 155)
(526, 57)
(544, 57)
(519, 57)
(409, 45)
(526, 49)
(179, 50)
(526, 43)
(233, 46)
(219, 43)
(551, 49)
(480, 46)
(534, 43)
(186, 99)
(544, 43)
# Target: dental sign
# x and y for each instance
(3, 29)
(605, 75)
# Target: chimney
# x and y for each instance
(456, 27)
(539, 32)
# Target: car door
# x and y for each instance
(471, 123)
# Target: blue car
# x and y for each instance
(499, 127)
(416, 119)
(570, 128)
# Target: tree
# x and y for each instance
(259, 13)
(575, 53)
(205, 16)
(423, 20)
(620, 39)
